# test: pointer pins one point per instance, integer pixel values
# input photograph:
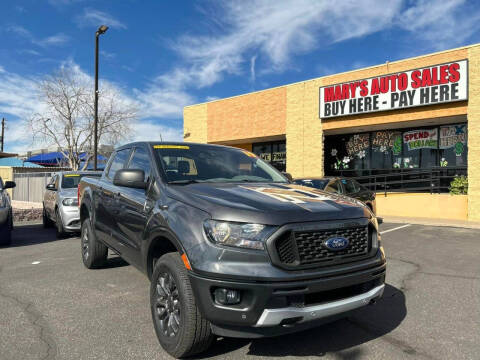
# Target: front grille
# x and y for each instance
(297, 248)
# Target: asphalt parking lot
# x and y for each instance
(51, 307)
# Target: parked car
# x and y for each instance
(60, 203)
(231, 247)
(344, 186)
(6, 215)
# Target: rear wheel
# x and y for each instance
(181, 329)
(47, 223)
(94, 253)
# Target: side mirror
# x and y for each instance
(288, 176)
(9, 185)
(132, 178)
(379, 220)
(51, 187)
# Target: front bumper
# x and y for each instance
(273, 308)
(70, 217)
(273, 317)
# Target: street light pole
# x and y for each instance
(101, 30)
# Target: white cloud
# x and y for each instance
(150, 131)
(440, 23)
(57, 39)
(19, 101)
(92, 17)
(252, 68)
(278, 30)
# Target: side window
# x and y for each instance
(334, 187)
(141, 160)
(118, 162)
(350, 186)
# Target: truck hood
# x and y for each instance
(272, 204)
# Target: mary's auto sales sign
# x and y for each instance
(426, 86)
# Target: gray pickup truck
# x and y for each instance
(231, 247)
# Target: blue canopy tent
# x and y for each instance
(56, 158)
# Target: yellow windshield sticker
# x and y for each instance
(248, 153)
(71, 175)
(171, 147)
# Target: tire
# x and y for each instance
(47, 223)
(6, 232)
(94, 253)
(193, 333)
(59, 225)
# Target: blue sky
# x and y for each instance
(164, 55)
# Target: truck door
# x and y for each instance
(106, 202)
(135, 206)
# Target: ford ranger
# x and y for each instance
(232, 248)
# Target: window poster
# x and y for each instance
(357, 144)
(454, 136)
(384, 141)
(421, 139)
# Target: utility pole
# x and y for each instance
(3, 134)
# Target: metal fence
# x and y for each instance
(30, 186)
(432, 180)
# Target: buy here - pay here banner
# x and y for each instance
(419, 87)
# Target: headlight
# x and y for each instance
(3, 200)
(250, 236)
(70, 202)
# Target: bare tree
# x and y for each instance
(67, 120)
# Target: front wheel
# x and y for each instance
(6, 231)
(181, 329)
(94, 253)
(59, 224)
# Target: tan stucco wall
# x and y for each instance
(474, 134)
(435, 206)
(259, 114)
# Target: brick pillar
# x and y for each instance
(195, 123)
(304, 130)
(473, 116)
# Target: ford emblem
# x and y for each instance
(337, 243)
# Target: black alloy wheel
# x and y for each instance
(168, 305)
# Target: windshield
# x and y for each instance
(315, 183)
(200, 163)
(70, 181)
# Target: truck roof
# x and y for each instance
(151, 143)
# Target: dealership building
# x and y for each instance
(404, 128)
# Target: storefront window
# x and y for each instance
(453, 145)
(357, 154)
(273, 152)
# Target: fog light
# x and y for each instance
(226, 296)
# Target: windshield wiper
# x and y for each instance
(183, 182)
